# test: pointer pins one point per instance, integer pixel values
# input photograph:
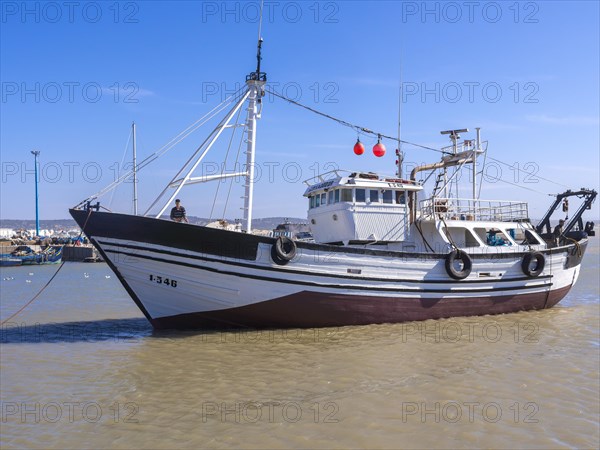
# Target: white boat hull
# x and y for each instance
(214, 278)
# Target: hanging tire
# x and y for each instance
(465, 260)
(283, 250)
(540, 262)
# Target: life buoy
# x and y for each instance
(464, 258)
(540, 262)
(283, 250)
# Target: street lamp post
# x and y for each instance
(35, 154)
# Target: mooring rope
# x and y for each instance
(49, 281)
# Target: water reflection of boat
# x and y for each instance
(24, 255)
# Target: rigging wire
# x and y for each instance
(357, 128)
(363, 130)
(168, 146)
(121, 165)
(523, 187)
(237, 158)
(234, 129)
(524, 171)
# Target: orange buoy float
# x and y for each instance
(379, 148)
(359, 148)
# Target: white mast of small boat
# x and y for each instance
(135, 197)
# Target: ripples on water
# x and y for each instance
(82, 368)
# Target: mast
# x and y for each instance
(399, 152)
(255, 82)
(477, 149)
(135, 197)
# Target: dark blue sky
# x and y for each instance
(74, 77)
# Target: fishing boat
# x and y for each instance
(24, 255)
(381, 250)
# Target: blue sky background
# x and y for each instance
(533, 68)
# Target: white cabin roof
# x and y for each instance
(365, 180)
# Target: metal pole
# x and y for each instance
(135, 197)
(477, 148)
(250, 152)
(35, 154)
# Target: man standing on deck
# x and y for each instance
(178, 212)
(558, 230)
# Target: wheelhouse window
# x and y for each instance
(493, 237)
(388, 196)
(323, 199)
(346, 195)
(317, 200)
(360, 195)
(523, 236)
(462, 237)
(336, 196)
(400, 197)
(330, 197)
(374, 196)
(311, 202)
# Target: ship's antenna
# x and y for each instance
(260, 41)
(399, 152)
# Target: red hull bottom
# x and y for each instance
(312, 309)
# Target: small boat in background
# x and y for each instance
(24, 255)
(9, 261)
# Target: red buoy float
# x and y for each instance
(379, 148)
(359, 148)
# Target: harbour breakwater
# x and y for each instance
(71, 253)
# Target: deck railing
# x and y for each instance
(469, 209)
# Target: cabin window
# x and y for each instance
(317, 200)
(311, 202)
(323, 199)
(336, 196)
(330, 197)
(374, 196)
(493, 237)
(523, 236)
(346, 195)
(470, 239)
(388, 196)
(361, 195)
(400, 198)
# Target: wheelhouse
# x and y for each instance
(358, 207)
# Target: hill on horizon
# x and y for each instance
(267, 223)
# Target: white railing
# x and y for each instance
(469, 209)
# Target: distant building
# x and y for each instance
(6, 233)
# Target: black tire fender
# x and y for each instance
(466, 261)
(283, 250)
(528, 259)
